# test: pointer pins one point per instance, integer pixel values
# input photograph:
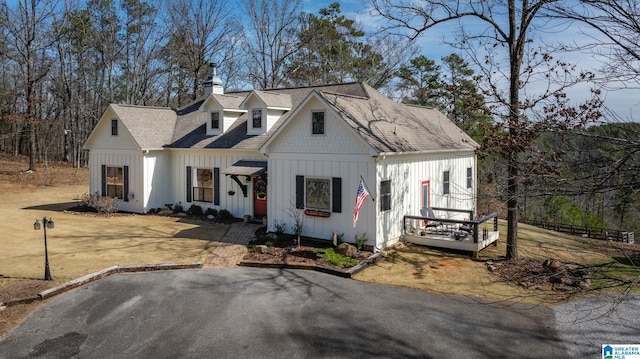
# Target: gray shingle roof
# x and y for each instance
(392, 127)
(229, 101)
(274, 99)
(191, 129)
(384, 124)
(151, 127)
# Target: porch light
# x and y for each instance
(47, 223)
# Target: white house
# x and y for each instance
(270, 152)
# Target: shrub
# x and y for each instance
(224, 215)
(152, 211)
(178, 208)
(105, 205)
(195, 210)
(211, 212)
(280, 228)
(361, 239)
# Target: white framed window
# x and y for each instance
(318, 193)
(215, 120)
(317, 122)
(385, 195)
(445, 182)
(203, 185)
(115, 182)
(469, 177)
(256, 118)
(114, 127)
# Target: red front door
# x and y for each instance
(260, 196)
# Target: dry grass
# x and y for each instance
(456, 273)
(79, 244)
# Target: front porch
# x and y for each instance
(472, 235)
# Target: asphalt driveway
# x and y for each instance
(270, 313)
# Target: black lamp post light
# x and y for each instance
(47, 223)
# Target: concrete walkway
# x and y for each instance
(233, 245)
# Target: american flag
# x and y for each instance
(360, 197)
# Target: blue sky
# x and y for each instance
(625, 102)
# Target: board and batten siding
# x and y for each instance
(102, 139)
(282, 193)
(119, 158)
(338, 139)
(237, 204)
(157, 179)
(408, 172)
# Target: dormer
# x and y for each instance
(264, 109)
(221, 112)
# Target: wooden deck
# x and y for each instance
(465, 235)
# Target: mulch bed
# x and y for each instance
(285, 250)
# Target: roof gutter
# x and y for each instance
(384, 154)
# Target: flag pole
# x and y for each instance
(367, 187)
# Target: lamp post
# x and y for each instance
(47, 223)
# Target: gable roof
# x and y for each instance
(386, 126)
(227, 102)
(150, 127)
(271, 99)
(190, 131)
(391, 127)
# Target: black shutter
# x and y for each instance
(189, 173)
(216, 186)
(336, 195)
(104, 181)
(125, 189)
(300, 192)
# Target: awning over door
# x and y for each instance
(246, 168)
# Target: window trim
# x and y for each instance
(328, 195)
(110, 185)
(114, 127)
(200, 192)
(211, 119)
(446, 182)
(385, 196)
(313, 123)
(253, 118)
(469, 177)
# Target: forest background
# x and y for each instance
(63, 62)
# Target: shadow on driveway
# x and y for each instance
(274, 313)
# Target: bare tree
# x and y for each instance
(271, 39)
(201, 31)
(503, 39)
(617, 21)
(28, 36)
(139, 64)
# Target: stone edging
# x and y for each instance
(345, 273)
(99, 275)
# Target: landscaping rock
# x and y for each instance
(554, 266)
(262, 249)
(347, 250)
